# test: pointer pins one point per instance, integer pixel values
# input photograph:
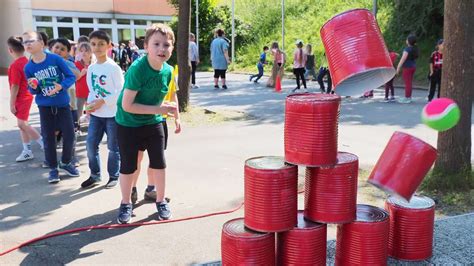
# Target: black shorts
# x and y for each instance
(219, 73)
(132, 139)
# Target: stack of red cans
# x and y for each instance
(273, 230)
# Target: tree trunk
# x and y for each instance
(184, 21)
(453, 165)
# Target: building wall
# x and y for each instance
(140, 7)
(15, 18)
(18, 16)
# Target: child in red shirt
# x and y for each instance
(82, 90)
(21, 98)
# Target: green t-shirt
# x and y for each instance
(151, 86)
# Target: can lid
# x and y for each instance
(346, 157)
(303, 223)
(313, 97)
(368, 213)
(236, 227)
(416, 202)
(267, 163)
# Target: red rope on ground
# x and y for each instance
(115, 226)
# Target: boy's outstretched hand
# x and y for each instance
(177, 123)
(57, 88)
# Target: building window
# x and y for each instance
(47, 30)
(105, 21)
(123, 21)
(124, 35)
(67, 33)
(43, 18)
(64, 19)
(86, 20)
(85, 31)
(156, 22)
(139, 22)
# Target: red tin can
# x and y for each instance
(311, 129)
(403, 165)
(271, 191)
(303, 245)
(411, 228)
(364, 241)
(356, 52)
(331, 192)
(242, 246)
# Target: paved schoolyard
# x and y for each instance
(205, 174)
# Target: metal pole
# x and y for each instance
(375, 8)
(282, 25)
(197, 24)
(233, 31)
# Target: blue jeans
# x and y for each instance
(97, 127)
(260, 72)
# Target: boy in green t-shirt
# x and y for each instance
(139, 117)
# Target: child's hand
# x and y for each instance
(177, 123)
(13, 109)
(33, 83)
(168, 108)
(57, 88)
(83, 71)
(94, 105)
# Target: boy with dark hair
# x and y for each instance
(262, 61)
(47, 75)
(21, 98)
(105, 81)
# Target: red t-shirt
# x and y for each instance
(437, 60)
(16, 76)
(82, 91)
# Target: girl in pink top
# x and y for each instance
(299, 61)
(278, 62)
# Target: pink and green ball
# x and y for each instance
(441, 114)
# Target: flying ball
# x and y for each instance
(441, 114)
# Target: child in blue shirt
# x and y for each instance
(262, 61)
(47, 75)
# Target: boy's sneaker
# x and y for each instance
(164, 212)
(53, 177)
(224, 87)
(25, 156)
(250, 78)
(385, 100)
(134, 196)
(150, 195)
(69, 168)
(392, 98)
(125, 213)
(90, 182)
(112, 183)
(216, 87)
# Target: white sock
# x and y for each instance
(27, 146)
(40, 142)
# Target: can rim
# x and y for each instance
(277, 159)
(417, 139)
(386, 189)
(319, 97)
(417, 202)
(340, 14)
(365, 208)
(250, 233)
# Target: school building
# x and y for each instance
(124, 20)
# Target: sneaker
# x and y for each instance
(150, 196)
(164, 212)
(250, 78)
(134, 196)
(69, 169)
(392, 98)
(25, 156)
(195, 86)
(385, 100)
(125, 214)
(216, 87)
(112, 183)
(53, 177)
(45, 164)
(90, 182)
(75, 162)
(295, 89)
(224, 87)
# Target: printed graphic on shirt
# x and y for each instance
(97, 85)
(46, 79)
